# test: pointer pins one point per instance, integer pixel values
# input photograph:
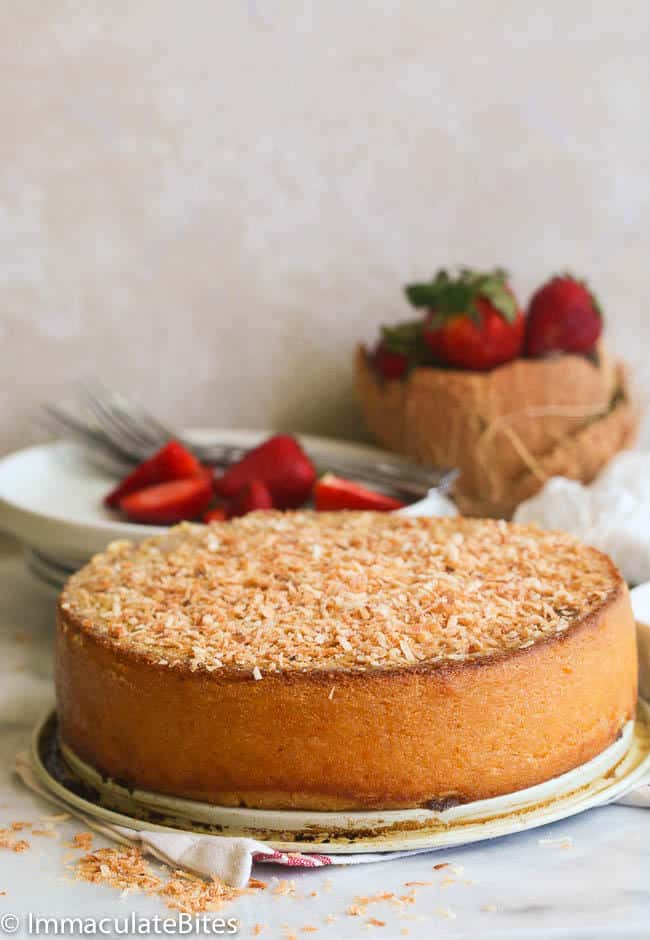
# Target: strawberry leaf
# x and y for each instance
(421, 295)
(403, 338)
(494, 289)
(450, 295)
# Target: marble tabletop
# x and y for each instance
(588, 877)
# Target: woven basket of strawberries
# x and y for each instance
(510, 399)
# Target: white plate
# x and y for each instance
(608, 776)
(51, 495)
(46, 570)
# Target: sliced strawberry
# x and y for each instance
(167, 503)
(171, 462)
(218, 514)
(254, 495)
(332, 493)
(281, 463)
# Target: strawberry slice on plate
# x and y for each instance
(332, 493)
(252, 496)
(218, 514)
(170, 502)
(171, 462)
(280, 463)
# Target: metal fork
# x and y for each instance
(126, 433)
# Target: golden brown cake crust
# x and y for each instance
(341, 738)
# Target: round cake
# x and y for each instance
(344, 660)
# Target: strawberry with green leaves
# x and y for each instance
(473, 320)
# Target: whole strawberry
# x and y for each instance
(398, 349)
(563, 316)
(473, 320)
(392, 365)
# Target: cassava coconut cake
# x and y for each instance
(344, 660)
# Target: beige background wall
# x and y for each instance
(207, 203)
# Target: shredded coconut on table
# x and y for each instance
(382, 591)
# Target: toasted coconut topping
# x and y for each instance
(382, 591)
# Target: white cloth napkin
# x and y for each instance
(612, 513)
(433, 504)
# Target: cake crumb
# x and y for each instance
(562, 842)
(127, 870)
(376, 923)
(440, 865)
(446, 912)
(285, 887)
(119, 868)
(9, 842)
(82, 840)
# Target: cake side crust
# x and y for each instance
(337, 739)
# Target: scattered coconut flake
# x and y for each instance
(562, 842)
(82, 840)
(127, 870)
(8, 841)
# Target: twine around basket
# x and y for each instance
(502, 424)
